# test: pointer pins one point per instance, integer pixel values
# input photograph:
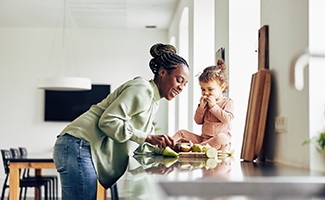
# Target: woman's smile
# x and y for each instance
(174, 93)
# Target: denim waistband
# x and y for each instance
(69, 138)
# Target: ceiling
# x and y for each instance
(93, 14)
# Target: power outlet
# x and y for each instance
(281, 124)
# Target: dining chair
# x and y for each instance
(114, 192)
(24, 183)
(15, 153)
(53, 179)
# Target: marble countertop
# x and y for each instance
(158, 178)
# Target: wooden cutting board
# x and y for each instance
(256, 115)
(258, 102)
(263, 48)
(192, 155)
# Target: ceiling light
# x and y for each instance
(66, 83)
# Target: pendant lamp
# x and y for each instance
(62, 82)
(65, 83)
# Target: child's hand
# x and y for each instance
(211, 100)
(203, 101)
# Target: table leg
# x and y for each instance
(101, 192)
(14, 182)
(38, 172)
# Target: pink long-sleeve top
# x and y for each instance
(216, 119)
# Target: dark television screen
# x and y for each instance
(68, 105)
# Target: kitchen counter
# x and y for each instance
(159, 178)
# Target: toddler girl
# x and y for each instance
(214, 113)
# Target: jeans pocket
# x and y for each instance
(60, 157)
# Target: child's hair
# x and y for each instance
(215, 73)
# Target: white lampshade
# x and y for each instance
(65, 83)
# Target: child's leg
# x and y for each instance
(221, 142)
(184, 135)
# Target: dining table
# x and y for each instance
(38, 163)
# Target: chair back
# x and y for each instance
(15, 153)
(6, 155)
(23, 152)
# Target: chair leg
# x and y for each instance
(56, 189)
(45, 192)
(25, 193)
(3, 192)
(40, 192)
(21, 193)
(49, 185)
(114, 192)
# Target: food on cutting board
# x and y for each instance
(199, 150)
(185, 147)
(226, 154)
(169, 152)
(211, 152)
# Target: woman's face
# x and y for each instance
(170, 85)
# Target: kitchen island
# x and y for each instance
(159, 178)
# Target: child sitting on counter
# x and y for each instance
(215, 111)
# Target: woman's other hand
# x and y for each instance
(160, 140)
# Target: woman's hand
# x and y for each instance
(160, 140)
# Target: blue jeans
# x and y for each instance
(72, 158)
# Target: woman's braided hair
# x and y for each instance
(165, 56)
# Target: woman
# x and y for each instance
(96, 145)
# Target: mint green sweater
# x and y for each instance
(116, 126)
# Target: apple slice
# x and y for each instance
(185, 148)
(169, 152)
(211, 152)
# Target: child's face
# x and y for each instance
(212, 88)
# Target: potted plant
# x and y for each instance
(318, 141)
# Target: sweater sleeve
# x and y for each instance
(124, 117)
(199, 115)
(225, 115)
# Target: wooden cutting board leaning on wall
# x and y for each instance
(258, 102)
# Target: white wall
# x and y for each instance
(105, 56)
(242, 61)
(288, 36)
(316, 79)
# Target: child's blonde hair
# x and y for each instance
(215, 73)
